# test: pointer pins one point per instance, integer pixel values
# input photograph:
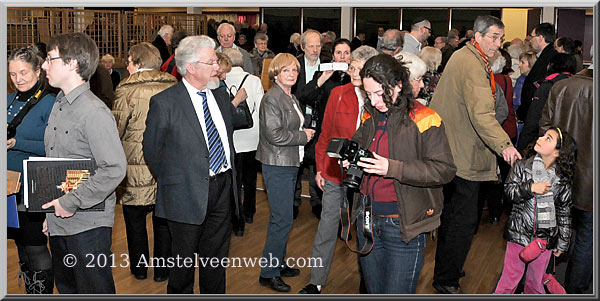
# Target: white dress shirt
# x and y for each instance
(217, 118)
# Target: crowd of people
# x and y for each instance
(429, 134)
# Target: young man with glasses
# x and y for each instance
(420, 30)
(80, 126)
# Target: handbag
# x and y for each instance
(551, 283)
(242, 116)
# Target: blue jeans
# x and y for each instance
(392, 266)
(280, 182)
(579, 272)
(91, 274)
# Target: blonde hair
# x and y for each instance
(279, 62)
(432, 57)
(224, 62)
(145, 55)
(416, 66)
(107, 58)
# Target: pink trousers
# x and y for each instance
(514, 268)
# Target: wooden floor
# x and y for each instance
(482, 268)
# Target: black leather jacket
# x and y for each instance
(519, 227)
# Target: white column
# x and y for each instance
(346, 23)
(548, 15)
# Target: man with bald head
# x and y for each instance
(392, 42)
(226, 36)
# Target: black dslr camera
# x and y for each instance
(311, 117)
(11, 131)
(345, 149)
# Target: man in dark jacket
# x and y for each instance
(570, 106)
(195, 192)
(163, 40)
(542, 41)
(102, 86)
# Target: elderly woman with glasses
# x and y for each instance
(137, 192)
(282, 137)
(27, 111)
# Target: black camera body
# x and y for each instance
(11, 131)
(311, 118)
(345, 149)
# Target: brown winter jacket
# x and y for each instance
(130, 110)
(420, 162)
(570, 106)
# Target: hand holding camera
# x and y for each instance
(377, 165)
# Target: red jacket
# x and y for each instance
(510, 124)
(339, 121)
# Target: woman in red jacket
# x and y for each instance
(341, 119)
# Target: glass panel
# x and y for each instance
(322, 19)
(283, 22)
(462, 19)
(369, 19)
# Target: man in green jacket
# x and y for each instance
(465, 100)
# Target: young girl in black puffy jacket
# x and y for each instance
(540, 188)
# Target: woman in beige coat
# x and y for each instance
(137, 192)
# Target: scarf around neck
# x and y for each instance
(544, 203)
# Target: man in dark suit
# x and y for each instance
(188, 146)
(311, 43)
(542, 41)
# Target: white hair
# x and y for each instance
(165, 29)
(187, 51)
(415, 65)
(223, 25)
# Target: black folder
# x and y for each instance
(44, 177)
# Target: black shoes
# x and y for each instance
(238, 232)
(447, 289)
(295, 211)
(310, 289)
(249, 219)
(289, 272)
(316, 210)
(276, 283)
(161, 278)
(140, 276)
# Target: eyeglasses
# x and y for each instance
(127, 62)
(352, 69)
(210, 63)
(429, 29)
(496, 38)
(50, 59)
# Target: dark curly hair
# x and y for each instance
(389, 72)
(565, 163)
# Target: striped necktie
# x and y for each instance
(216, 152)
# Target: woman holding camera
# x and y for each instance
(402, 187)
(27, 115)
(341, 119)
(280, 150)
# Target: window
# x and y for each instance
(282, 22)
(463, 19)
(367, 20)
(322, 19)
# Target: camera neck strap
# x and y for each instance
(367, 223)
(32, 101)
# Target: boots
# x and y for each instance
(37, 282)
